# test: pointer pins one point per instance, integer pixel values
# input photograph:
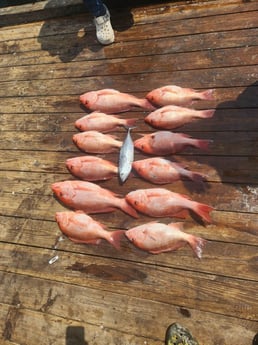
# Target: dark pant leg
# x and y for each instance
(95, 7)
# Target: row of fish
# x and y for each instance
(168, 117)
(155, 202)
(156, 170)
(112, 101)
(168, 111)
(157, 143)
(154, 237)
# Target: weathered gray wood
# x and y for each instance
(205, 292)
(223, 143)
(152, 63)
(60, 299)
(223, 120)
(27, 51)
(127, 296)
(25, 166)
(243, 76)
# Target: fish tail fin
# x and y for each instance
(202, 144)
(203, 211)
(196, 243)
(206, 114)
(123, 204)
(144, 103)
(207, 95)
(130, 123)
(196, 177)
(115, 238)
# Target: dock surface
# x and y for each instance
(95, 294)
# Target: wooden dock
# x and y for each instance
(97, 295)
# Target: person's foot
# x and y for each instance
(104, 31)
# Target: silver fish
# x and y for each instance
(126, 157)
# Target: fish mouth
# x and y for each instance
(123, 177)
(55, 187)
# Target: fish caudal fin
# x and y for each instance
(130, 122)
(124, 206)
(206, 114)
(144, 103)
(115, 238)
(196, 177)
(196, 243)
(203, 211)
(208, 95)
(202, 144)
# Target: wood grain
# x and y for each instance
(96, 293)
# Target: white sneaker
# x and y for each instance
(104, 31)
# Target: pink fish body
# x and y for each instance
(91, 168)
(167, 143)
(160, 170)
(90, 198)
(160, 202)
(173, 116)
(176, 95)
(113, 101)
(102, 122)
(96, 142)
(81, 228)
(157, 238)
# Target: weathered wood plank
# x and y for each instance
(223, 22)
(205, 292)
(153, 63)
(235, 260)
(42, 10)
(224, 143)
(210, 44)
(25, 166)
(24, 52)
(226, 227)
(223, 120)
(141, 318)
(169, 11)
(178, 28)
(59, 330)
(39, 204)
(243, 76)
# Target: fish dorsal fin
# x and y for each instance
(108, 92)
(171, 88)
(157, 192)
